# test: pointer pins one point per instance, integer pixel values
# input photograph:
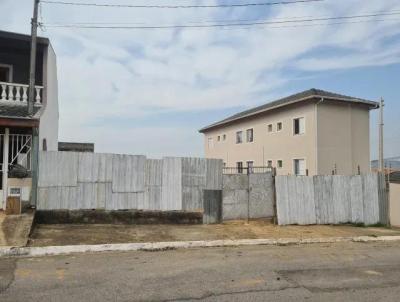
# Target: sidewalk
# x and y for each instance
(80, 234)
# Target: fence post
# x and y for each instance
(35, 167)
(275, 218)
(384, 202)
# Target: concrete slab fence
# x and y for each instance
(332, 199)
(247, 196)
(79, 181)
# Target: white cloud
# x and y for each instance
(131, 73)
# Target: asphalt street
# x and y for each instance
(316, 272)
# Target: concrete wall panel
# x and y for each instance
(261, 195)
(95, 167)
(395, 204)
(171, 189)
(212, 206)
(58, 169)
(71, 180)
(247, 196)
(128, 173)
(330, 199)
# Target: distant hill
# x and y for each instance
(393, 162)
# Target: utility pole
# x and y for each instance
(31, 100)
(32, 70)
(381, 160)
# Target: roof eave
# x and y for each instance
(371, 104)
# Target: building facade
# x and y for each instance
(310, 133)
(19, 130)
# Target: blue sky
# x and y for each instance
(148, 92)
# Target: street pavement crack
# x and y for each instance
(231, 293)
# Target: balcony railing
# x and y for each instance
(18, 93)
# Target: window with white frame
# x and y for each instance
(299, 126)
(270, 128)
(279, 126)
(299, 166)
(249, 135)
(279, 164)
(239, 137)
(219, 138)
(224, 137)
(269, 163)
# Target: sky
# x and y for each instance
(149, 91)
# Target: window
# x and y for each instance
(299, 126)
(44, 145)
(279, 126)
(250, 165)
(249, 135)
(5, 73)
(239, 166)
(269, 163)
(210, 143)
(270, 128)
(239, 138)
(299, 167)
(224, 137)
(219, 138)
(280, 164)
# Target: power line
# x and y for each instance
(295, 18)
(43, 27)
(225, 25)
(192, 22)
(178, 6)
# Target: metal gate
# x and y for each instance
(15, 149)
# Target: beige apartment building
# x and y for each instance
(313, 132)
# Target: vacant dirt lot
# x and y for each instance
(71, 234)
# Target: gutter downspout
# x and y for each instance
(316, 135)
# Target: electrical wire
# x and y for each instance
(225, 25)
(178, 6)
(191, 22)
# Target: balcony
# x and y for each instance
(14, 93)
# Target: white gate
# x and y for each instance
(15, 149)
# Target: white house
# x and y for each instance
(19, 130)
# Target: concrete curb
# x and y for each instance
(159, 246)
